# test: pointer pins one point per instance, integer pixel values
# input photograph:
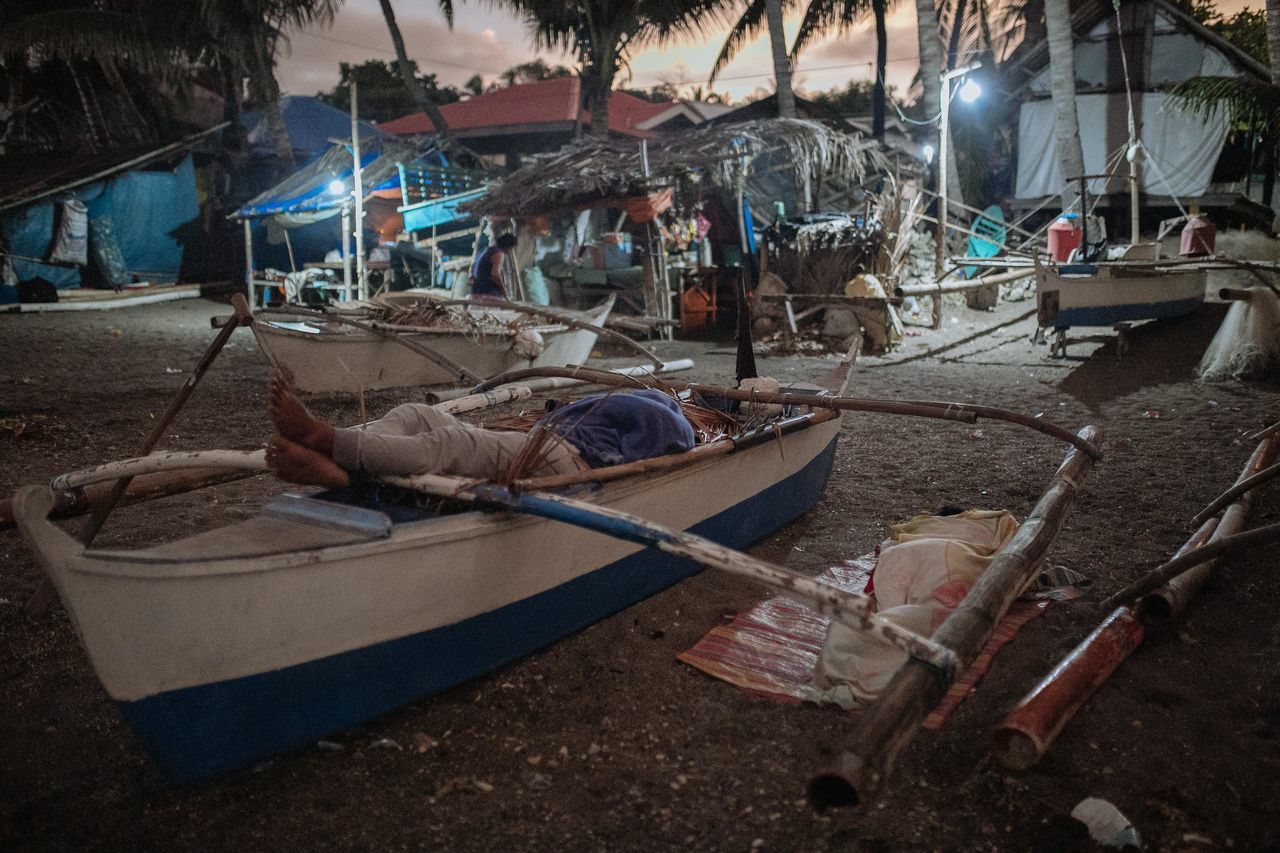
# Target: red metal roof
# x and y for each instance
(543, 102)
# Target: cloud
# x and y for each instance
(483, 41)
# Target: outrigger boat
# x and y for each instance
(1126, 284)
(346, 349)
(228, 646)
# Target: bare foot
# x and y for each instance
(297, 464)
(291, 418)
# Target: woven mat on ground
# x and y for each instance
(771, 649)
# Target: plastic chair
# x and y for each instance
(990, 226)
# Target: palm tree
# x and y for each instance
(781, 62)
(251, 34)
(1062, 74)
(602, 33)
(827, 16)
(746, 29)
(1273, 39)
(929, 38)
(416, 90)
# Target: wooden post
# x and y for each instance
(891, 722)
(362, 280)
(248, 260)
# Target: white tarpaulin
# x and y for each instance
(1183, 147)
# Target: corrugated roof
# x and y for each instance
(553, 101)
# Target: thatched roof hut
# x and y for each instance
(787, 160)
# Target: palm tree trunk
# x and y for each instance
(781, 64)
(1062, 76)
(599, 87)
(878, 95)
(930, 41)
(957, 27)
(416, 90)
(1273, 39)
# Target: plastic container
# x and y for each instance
(1065, 235)
(1198, 238)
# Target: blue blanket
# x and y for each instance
(613, 429)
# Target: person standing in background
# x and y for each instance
(486, 272)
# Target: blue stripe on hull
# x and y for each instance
(198, 732)
(1109, 315)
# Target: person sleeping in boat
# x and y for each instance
(415, 438)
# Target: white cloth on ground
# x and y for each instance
(924, 571)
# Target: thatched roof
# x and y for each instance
(590, 170)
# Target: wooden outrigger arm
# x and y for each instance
(962, 412)
(850, 608)
(887, 725)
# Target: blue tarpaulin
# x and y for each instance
(310, 122)
(438, 211)
(313, 190)
(148, 211)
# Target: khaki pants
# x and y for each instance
(419, 439)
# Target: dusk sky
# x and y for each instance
(487, 41)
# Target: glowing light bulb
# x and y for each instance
(927, 151)
(970, 91)
(337, 187)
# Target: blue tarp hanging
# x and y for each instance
(148, 211)
(310, 122)
(438, 211)
(312, 190)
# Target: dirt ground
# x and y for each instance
(604, 741)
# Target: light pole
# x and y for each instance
(969, 92)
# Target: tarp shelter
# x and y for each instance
(139, 206)
(1161, 47)
(311, 123)
(393, 169)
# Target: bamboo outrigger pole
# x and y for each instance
(962, 412)
(1170, 599)
(850, 608)
(890, 723)
(1030, 728)
(45, 593)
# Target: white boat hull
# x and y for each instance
(233, 645)
(1113, 294)
(343, 359)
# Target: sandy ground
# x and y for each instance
(604, 741)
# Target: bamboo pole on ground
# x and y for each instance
(1220, 546)
(1230, 495)
(1170, 599)
(1031, 727)
(892, 721)
(1020, 740)
(962, 412)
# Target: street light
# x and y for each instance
(969, 92)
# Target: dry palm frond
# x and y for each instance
(722, 155)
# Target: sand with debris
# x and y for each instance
(604, 741)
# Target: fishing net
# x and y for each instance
(1248, 341)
